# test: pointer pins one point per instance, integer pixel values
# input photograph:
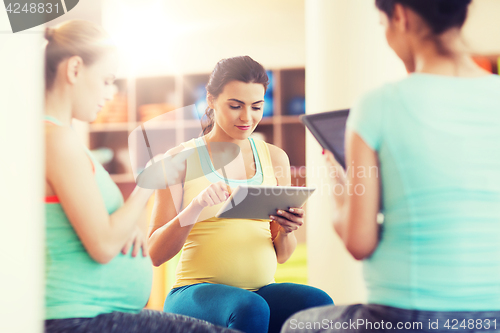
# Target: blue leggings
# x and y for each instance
(264, 310)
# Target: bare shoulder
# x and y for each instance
(281, 165)
(65, 157)
(60, 141)
(278, 156)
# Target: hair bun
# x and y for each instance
(49, 33)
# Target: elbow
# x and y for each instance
(156, 262)
(102, 259)
(103, 252)
(359, 252)
(156, 258)
(358, 255)
(102, 255)
(283, 256)
(339, 223)
(155, 251)
(281, 260)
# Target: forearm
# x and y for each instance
(284, 244)
(355, 227)
(357, 205)
(166, 241)
(340, 221)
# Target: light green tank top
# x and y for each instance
(77, 286)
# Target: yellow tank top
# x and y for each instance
(235, 252)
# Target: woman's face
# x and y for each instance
(94, 87)
(238, 109)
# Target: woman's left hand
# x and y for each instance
(289, 221)
(339, 176)
(139, 241)
(337, 171)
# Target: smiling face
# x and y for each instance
(94, 87)
(238, 109)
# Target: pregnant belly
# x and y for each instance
(123, 284)
(130, 280)
(238, 253)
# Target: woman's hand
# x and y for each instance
(339, 177)
(213, 195)
(138, 240)
(289, 221)
(336, 170)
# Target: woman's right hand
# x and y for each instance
(139, 240)
(213, 195)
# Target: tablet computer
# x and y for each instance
(258, 202)
(329, 129)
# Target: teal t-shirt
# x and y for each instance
(438, 142)
(76, 286)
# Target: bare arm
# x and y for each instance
(358, 206)
(171, 227)
(69, 174)
(284, 224)
(167, 235)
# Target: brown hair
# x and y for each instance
(73, 38)
(440, 15)
(242, 68)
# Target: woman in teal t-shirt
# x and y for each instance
(98, 271)
(433, 138)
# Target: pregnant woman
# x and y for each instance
(98, 272)
(226, 270)
(434, 265)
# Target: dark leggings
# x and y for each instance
(264, 310)
(377, 318)
(146, 321)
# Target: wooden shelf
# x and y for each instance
(159, 125)
(288, 119)
(109, 127)
(267, 121)
(194, 123)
